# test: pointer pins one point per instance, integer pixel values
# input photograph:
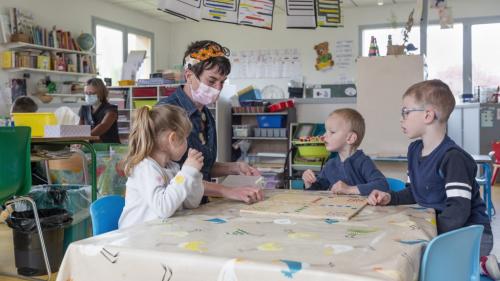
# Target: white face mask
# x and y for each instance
(204, 94)
(90, 99)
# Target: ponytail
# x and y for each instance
(147, 126)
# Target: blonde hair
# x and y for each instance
(354, 120)
(436, 93)
(148, 125)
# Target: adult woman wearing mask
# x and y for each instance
(99, 113)
(206, 67)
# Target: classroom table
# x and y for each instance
(216, 242)
(484, 177)
(84, 141)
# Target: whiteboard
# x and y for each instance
(381, 83)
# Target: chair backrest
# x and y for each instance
(105, 213)
(395, 184)
(15, 162)
(496, 148)
(453, 255)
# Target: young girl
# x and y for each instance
(156, 187)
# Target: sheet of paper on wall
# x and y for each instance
(344, 58)
(258, 13)
(132, 65)
(240, 180)
(185, 8)
(300, 14)
(329, 13)
(220, 10)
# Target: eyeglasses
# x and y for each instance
(405, 111)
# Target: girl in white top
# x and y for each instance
(156, 187)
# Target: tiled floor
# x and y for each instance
(7, 252)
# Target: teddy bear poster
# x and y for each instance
(324, 60)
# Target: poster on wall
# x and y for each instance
(324, 59)
(182, 8)
(220, 10)
(257, 13)
(329, 13)
(344, 58)
(300, 14)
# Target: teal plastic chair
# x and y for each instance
(453, 256)
(105, 213)
(15, 174)
(395, 184)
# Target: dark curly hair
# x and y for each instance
(222, 64)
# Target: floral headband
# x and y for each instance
(211, 51)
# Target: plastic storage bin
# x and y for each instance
(145, 92)
(271, 121)
(313, 151)
(36, 121)
(242, 131)
(141, 103)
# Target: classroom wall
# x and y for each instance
(76, 16)
(244, 38)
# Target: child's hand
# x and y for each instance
(378, 197)
(341, 187)
(309, 178)
(194, 159)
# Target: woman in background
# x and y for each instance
(99, 113)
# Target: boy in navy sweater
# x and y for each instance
(350, 171)
(441, 174)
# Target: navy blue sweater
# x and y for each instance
(444, 180)
(358, 170)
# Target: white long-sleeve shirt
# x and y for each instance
(154, 192)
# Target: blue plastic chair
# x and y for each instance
(485, 181)
(453, 256)
(396, 184)
(105, 213)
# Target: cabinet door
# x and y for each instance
(455, 126)
(471, 130)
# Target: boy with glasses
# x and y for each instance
(441, 174)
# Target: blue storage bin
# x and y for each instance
(271, 121)
(297, 184)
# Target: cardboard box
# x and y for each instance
(52, 131)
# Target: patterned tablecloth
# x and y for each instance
(214, 242)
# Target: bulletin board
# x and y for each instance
(308, 205)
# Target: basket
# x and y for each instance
(126, 83)
(140, 103)
(395, 50)
(313, 151)
(36, 121)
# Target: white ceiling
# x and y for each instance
(148, 7)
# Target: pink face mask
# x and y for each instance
(204, 94)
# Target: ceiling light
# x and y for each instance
(380, 2)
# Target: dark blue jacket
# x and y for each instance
(358, 170)
(209, 149)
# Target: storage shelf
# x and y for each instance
(259, 138)
(144, 86)
(67, 95)
(44, 71)
(303, 167)
(144, 98)
(260, 113)
(22, 45)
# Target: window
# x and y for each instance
(485, 55)
(464, 56)
(114, 42)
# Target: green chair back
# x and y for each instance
(15, 168)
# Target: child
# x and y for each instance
(157, 139)
(350, 171)
(24, 104)
(441, 174)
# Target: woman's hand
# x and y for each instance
(248, 195)
(194, 159)
(244, 169)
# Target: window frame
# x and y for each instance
(125, 32)
(466, 37)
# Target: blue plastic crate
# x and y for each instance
(271, 121)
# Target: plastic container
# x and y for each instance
(271, 121)
(36, 121)
(74, 198)
(27, 249)
(313, 151)
(141, 103)
(242, 131)
(149, 92)
(126, 83)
